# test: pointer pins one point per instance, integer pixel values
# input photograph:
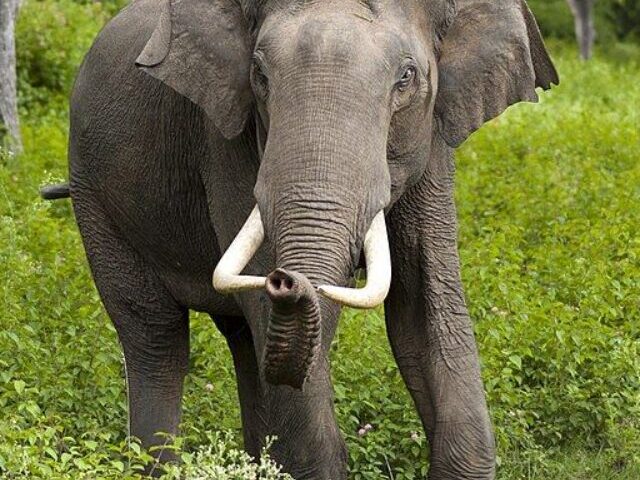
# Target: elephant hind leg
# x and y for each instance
(152, 328)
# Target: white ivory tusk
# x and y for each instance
(226, 277)
(378, 259)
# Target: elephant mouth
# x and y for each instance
(227, 276)
(294, 330)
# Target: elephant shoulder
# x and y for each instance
(121, 118)
(108, 78)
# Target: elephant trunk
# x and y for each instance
(311, 250)
(293, 333)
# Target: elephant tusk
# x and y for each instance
(378, 260)
(226, 277)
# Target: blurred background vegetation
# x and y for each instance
(615, 19)
(548, 201)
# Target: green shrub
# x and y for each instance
(220, 461)
(52, 38)
(550, 257)
(625, 16)
(111, 6)
(614, 19)
(554, 18)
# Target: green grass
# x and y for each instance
(548, 201)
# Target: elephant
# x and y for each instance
(244, 158)
(582, 11)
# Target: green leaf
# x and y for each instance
(19, 386)
(516, 360)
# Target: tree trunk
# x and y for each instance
(585, 30)
(8, 93)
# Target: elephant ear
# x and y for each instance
(201, 49)
(492, 56)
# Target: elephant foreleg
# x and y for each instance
(430, 331)
(308, 444)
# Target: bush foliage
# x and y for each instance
(614, 19)
(547, 199)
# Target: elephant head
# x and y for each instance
(345, 96)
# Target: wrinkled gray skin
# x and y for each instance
(185, 114)
(585, 30)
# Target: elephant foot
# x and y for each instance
(462, 451)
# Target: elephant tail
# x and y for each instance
(54, 192)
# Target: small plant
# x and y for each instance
(220, 459)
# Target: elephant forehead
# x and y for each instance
(331, 34)
(339, 37)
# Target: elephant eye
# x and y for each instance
(407, 79)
